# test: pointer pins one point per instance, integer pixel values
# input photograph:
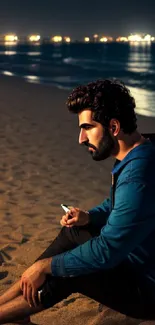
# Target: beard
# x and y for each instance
(105, 149)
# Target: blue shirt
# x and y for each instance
(127, 221)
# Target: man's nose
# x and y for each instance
(82, 136)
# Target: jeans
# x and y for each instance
(116, 288)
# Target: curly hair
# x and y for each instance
(107, 99)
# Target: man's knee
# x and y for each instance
(54, 290)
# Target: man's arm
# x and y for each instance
(129, 223)
(35, 275)
(98, 216)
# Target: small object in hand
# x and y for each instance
(65, 207)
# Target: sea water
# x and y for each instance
(69, 65)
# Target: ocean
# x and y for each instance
(69, 65)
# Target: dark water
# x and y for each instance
(69, 65)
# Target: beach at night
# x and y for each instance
(42, 166)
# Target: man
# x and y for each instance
(106, 253)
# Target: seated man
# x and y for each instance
(106, 253)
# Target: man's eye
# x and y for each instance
(87, 127)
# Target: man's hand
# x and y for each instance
(33, 278)
(75, 217)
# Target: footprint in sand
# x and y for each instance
(3, 275)
(5, 254)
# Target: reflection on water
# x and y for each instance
(32, 79)
(7, 73)
(33, 53)
(10, 52)
(72, 65)
(9, 43)
(139, 59)
(145, 100)
(19, 53)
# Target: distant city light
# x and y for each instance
(57, 39)
(147, 38)
(104, 39)
(34, 38)
(133, 39)
(86, 39)
(67, 39)
(95, 38)
(136, 38)
(121, 39)
(10, 38)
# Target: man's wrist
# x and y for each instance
(46, 265)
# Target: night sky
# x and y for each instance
(77, 18)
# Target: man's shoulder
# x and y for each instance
(140, 169)
(139, 155)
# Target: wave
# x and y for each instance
(61, 73)
(69, 66)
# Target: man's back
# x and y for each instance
(135, 177)
(130, 212)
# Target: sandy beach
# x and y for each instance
(42, 166)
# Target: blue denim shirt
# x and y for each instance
(127, 221)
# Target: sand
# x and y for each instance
(42, 166)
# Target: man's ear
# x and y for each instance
(114, 126)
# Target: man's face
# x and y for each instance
(98, 139)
